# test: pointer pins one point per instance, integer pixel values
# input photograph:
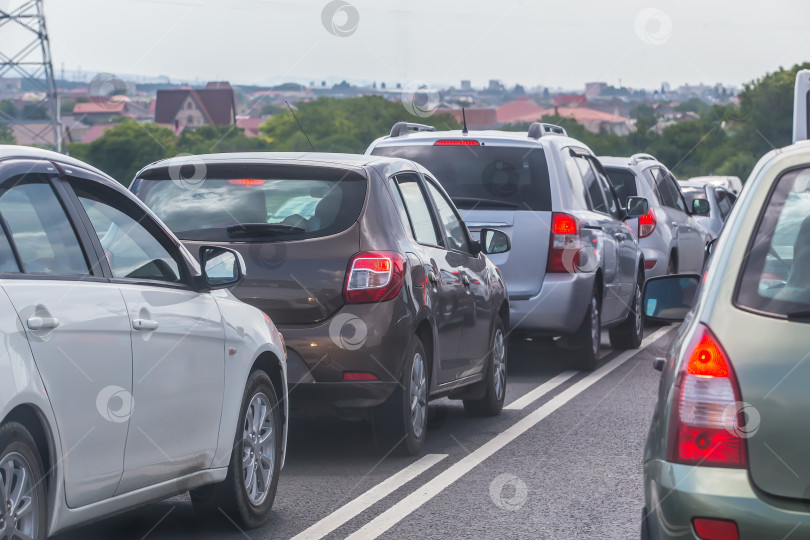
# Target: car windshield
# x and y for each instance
(624, 182)
(776, 274)
(485, 177)
(256, 203)
(691, 193)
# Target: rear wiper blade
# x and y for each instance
(261, 229)
(803, 314)
(468, 202)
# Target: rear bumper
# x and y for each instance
(559, 308)
(676, 494)
(361, 338)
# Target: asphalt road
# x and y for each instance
(563, 461)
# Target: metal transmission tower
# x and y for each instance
(25, 52)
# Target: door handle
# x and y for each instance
(465, 280)
(42, 323)
(433, 277)
(144, 324)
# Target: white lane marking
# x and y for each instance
(530, 397)
(409, 504)
(367, 499)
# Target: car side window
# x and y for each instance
(39, 228)
(676, 193)
(580, 199)
(592, 185)
(132, 251)
(662, 188)
(8, 261)
(419, 213)
(723, 203)
(454, 234)
(607, 191)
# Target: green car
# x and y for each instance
(728, 452)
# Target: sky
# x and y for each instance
(559, 43)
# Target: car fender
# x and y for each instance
(248, 336)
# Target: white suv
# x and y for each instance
(672, 240)
(128, 373)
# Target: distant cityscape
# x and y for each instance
(88, 108)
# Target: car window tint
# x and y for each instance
(418, 209)
(132, 251)
(723, 203)
(592, 185)
(676, 193)
(610, 198)
(579, 198)
(40, 228)
(662, 188)
(454, 233)
(776, 275)
(624, 182)
(401, 210)
(8, 262)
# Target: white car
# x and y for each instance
(128, 374)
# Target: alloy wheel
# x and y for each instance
(258, 449)
(637, 310)
(19, 516)
(418, 395)
(499, 364)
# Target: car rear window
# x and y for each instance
(692, 193)
(624, 182)
(253, 202)
(775, 278)
(491, 177)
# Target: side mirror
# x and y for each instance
(494, 241)
(636, 207)
(670, 298)
(710, 246)
(700, 207)
(221, 267)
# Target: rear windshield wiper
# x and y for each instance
(242, 230)
(473, 202)
(803, 314)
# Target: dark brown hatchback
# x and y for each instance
(364, 264)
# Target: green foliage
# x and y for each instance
(34, 111)
(7, 135)
(342, 125)
(694, 105)
(7, 109)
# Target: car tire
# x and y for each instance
(18, 453)
(246, 503)
(645, 525)
(587, 338)
(629, 334)
(400, 424)
(491, 403)
(672, 266)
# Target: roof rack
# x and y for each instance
(635, 158)
(403, 128)
(538, 129)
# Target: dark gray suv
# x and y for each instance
(384, 299)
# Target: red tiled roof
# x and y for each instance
(96, 132)
(250, 125)
(105, 107)
(510, 112)
(576, 100)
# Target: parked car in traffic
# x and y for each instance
(713, 213)
(669, 235)
(726, 455)
(574, 267)
(130, 373)
(384, 298)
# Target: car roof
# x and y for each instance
(689, 183)
(11, 151)
(628, 163)
(491, 136)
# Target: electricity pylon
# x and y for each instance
(25, 53)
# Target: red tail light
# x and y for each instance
(246, 182)
(647, 223)
(704, 424)
(456, 142)
(359, 376)
(716, 529)
(565, 236)
(374, 277)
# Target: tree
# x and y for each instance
(7, 135)
(7, 109)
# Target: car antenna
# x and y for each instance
(464, 120)
(299, 124)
